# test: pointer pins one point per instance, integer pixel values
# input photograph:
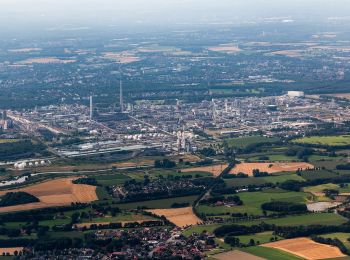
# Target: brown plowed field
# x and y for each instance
(58, 192)
(306, 248)
(181, 217)
(248, 168)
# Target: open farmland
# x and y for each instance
(242, 142)
(181, 217)
(226, 48)
(340, 140)
(248, 168)
(306, 248)
(214, 169)
(58, 192)
(10, 250)
(236, 255)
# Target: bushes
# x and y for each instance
(343, 167)
(87, 181)
(207, 151)
(17, 198)
(282, 206)
(333, 242)
(165, 163)
(180, 205)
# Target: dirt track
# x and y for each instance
(58, 192)
(306, 248)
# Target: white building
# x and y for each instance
(296, 94)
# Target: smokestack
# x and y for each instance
(121, 97)
(91, 108)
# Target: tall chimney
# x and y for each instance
(91, 108)
(121, 97)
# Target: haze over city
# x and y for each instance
(175, 129)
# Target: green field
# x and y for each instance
(262, 238)
(270, 253)
(111, 179)
(328, 219)
(252, 202)
(102, 194)
(157, 204)
(243, 142)
(4, 141)
(318, 174)
(343, 237)
(274, 178)
(340, 140)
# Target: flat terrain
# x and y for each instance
(181, 217)
(341, 95)
(340, 140)
(46, 60)
(226, 48)
(10, 250)
(252, 202)
(248, 168)
(214, 169)
(236, 255)
(56, 192)
(242, 142)
(306, 248)
(270, 253)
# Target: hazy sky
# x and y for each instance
(86, 12)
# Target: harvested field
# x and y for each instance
(306, 248)
(236, 255)
(123, 57)
(225, 48)
(46, 60)
(288, 53)
(181, 217)
(10, 250)
(214, 169)
(58, 192)
(321, 206)
(342, 95)
(248, 168)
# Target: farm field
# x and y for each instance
(341, 140)
(270, 253)
(326, 219)
(181, 217)
(248, 168)
(213, 169)
(242, 142)
(343, 237)
(273, 178)
(318, 190)
(4, 141)
(262, 238)
(252, 202)
(306, 248)
(58, 192)
(236, 255)
(157, 204)
(10, 250)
